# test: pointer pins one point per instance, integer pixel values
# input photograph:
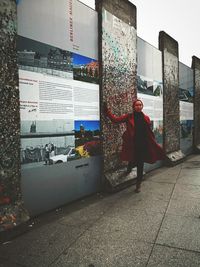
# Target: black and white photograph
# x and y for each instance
(43, 58)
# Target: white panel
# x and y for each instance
(58, 23)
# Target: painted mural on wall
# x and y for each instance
(58, 80)
(119, 81)
(186, 97)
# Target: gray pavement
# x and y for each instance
(159, 227)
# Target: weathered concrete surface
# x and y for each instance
(158, 227)
(171, 113)
(117, 54)
(196, 68)
(11, 208)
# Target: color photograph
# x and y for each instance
(157, 88)
(85, 69)
(87, 138)
(158, 131)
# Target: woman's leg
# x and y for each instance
(140, 168)
(129, 167)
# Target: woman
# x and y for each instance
(139, 144)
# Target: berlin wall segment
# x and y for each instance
(171, 113)
(12, 212)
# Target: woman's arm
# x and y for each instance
(114, 118)
(147, 119)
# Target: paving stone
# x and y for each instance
(109, 253)
(184, 207)
(168, 175)
(191, 179)
(134, 224)
(157, 191)
(193, 158)
(169, 257)
(10, 263)
(187, 191)
(189, 172)
(87, 215)
(180, 232)
(142, 202)
(40, 246)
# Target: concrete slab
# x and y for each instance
(189, 172)
(40, 246)
(175, 157)
(193, 158)
(184, 207)
(8, 264)
(180, 232)
(142, 202)
(112, 252)
(167, 257)
(168, 175)
(87, 215)
(158, 191)
(192, 179)
(192, 164)
(127, 224)
(186, 191)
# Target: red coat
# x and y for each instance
(155, 151)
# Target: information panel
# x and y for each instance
(58, 80)
(186, 97)
(150, 85)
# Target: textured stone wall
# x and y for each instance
(171, 113)
(11, 209)
(196, 68)
(117, 52)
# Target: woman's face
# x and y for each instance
(138, 106)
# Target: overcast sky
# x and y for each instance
(179, 18)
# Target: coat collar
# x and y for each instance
(132, 118)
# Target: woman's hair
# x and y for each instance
(136, 100)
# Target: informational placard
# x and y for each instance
(58, 79)
(150, 85)
(59, 24)
(186, 96)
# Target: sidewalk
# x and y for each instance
(159, 227)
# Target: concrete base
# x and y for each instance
(174, 158)
(118, 179)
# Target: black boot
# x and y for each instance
(138, 188)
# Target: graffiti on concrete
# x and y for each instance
(118, 81)
(10, 192)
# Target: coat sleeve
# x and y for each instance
(116, 119)
(148, 119)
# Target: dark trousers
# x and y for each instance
(140, 168)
